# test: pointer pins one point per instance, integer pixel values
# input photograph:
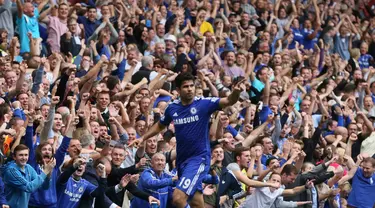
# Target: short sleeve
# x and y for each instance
(211, 104)
(257, 84)
(166, 119)
(233, 167)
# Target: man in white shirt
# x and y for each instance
(265, 196)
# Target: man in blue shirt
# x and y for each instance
(27, 22)
(71, 186)
(190, 116)
(90, 23)
(156, 182)
(363, 182)
(21, 179)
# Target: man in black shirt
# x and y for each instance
(118, 156)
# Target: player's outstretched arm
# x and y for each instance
(154, 130)
(234, 96)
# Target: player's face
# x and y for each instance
(187, 90)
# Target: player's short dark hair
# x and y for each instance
(289, 169)
(184, 76)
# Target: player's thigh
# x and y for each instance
(197, 200)
(179, 196)
(191, 176)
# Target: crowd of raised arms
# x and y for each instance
(187, 103)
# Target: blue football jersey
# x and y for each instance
(69, 194)
(191, 123)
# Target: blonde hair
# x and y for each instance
(355, 53)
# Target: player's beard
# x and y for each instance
(188, 97)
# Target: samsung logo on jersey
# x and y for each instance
(73, 197)
(187, 120)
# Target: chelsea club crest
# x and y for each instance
(193, 110)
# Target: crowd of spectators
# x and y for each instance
(81, 81)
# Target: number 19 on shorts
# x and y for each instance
(185, 182)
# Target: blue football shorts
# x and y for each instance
(191, 174)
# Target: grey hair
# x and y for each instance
(159, 43)
(87, 140)
(158, 154)
(147, 61)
